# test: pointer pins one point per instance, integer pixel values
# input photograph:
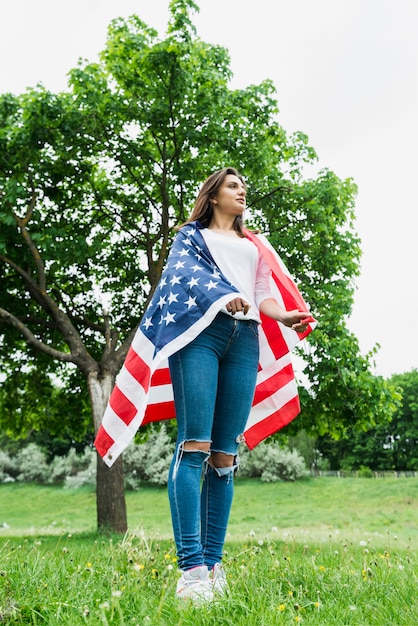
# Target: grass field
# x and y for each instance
(318, 552)
(322, 507)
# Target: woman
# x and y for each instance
(214, 378)
(212, 317)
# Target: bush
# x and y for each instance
(8, 468)
(85, 474)
(147, 462)
(150, 461)
(365, 472)
(271, 463)
(32, 465)
(63, 468)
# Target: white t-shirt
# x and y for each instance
(239, 261)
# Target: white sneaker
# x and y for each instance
(194, 584)
(218, 577)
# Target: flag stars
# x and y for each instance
(172, 297)
(169, 318)
(179, 264)
(190, 302)
(211, 285)
(175, 280)
(147, 323)
(184, 252)
(163, 282)
(162, 301)
(193, 282)
(196, 268)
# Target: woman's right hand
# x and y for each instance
(236, 305)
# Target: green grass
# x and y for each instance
(321, 508)
(323, 552)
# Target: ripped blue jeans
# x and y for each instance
(213, 380)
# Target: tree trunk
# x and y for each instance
(110, 497)
(110, 489)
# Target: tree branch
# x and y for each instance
(111, 336)
(10, 319)
(31, 285)
(22, 223)
(80, 354)
(269, 194)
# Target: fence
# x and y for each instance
(363, 474)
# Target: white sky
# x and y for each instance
(346, 75)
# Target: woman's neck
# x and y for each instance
(221, 225)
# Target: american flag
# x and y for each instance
(191, 291)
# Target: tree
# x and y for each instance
(403, 429)
(50, 249)
(92, 182)
(388, 445)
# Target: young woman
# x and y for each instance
(214, 378)
(211, 312)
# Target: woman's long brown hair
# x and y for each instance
(203, 210)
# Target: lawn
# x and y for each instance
(318, 552)
(321, 508)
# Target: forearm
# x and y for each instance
(272, 308)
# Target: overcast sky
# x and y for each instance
(346, 75)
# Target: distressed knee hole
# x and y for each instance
(193, 445)
(224, 470)
(182, 450)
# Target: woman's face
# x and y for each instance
(230, 198)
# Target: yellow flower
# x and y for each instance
(322, 568)
(281, 607)
(290, 593)
(167, 556)
(138, 567)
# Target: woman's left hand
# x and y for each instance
(296, 320)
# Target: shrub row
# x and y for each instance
(147, 462)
